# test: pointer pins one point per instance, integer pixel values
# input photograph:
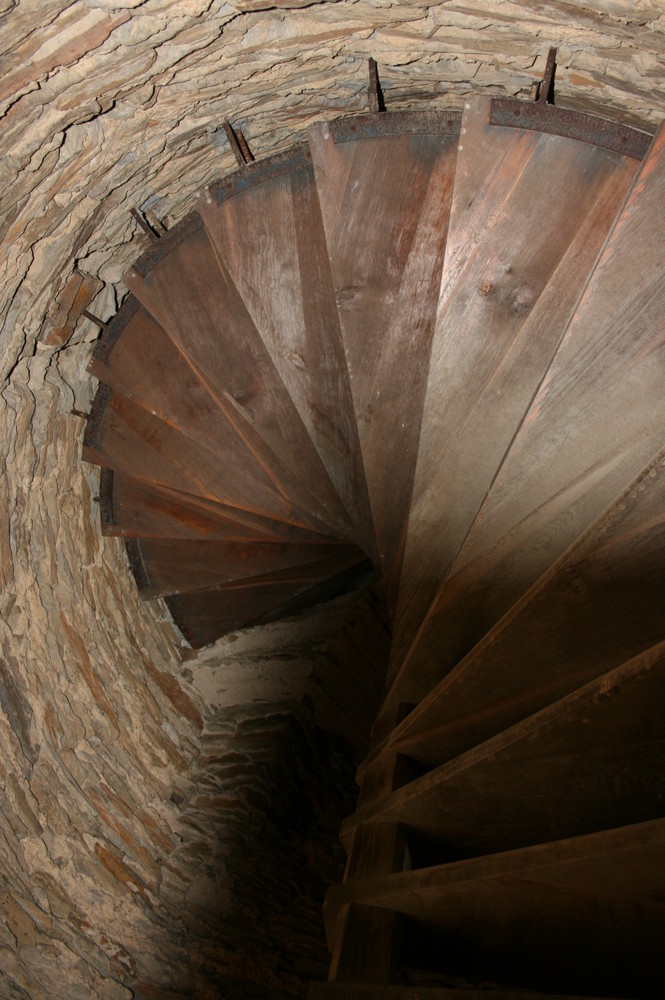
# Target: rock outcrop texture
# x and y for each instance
(168, 821)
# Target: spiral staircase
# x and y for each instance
(433, 342)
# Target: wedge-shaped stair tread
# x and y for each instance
(124, 436)
(205, 615)
(268, 232)
(529, 216)
(135, 508)
(385, 184)
(591, 761)
(191, 295)
(138, 360)
(582, 912)
(172, 566)
(595, 422)
(600, 604)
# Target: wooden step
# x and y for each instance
(265, 224)
(134, 508)
(384, 182)
(530, 214)
(598, 606)
(204, 615)
(123, 436)
(173, 566)
(594, 424)
(586, 913)
(185, 288)
(590, 761)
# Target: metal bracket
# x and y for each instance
(144, 224)
(95, 319)
(238, 144)
(546, 88)
(375, 94)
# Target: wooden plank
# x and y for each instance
(367, 991)
(599, 605)
(590, 922)
(386, 240)
(173, 565)
(137, 509)
(530, 214)
(594, 424)
(590, 761)
(270, 239)
(205, 615)
(124, 436)
(192, 296)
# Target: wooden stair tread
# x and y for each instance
(530, 214)
(191, 295)
(385, 206)
(591, 760)
(172, 566)
(269, 237)
(595, 422)
(138, 509)
(203, 616)
(598, 606)
(124, 436)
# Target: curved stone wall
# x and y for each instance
(131, 777)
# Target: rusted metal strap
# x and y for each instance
(106, 501)
(144, 224)
(166, 244)
(542, 117)
(102, 324)
(112, 331)
(376, 102)
(295, 158)
(135, 557)
(96, 416)
(238, 144)
(546, 92)
(395, 123)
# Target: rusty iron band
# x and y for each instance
(106, 501)
(96, 416)
(112, 332)
(167, 244)
(540, 117)
(136, 562)
(395, 123)
(258, 171)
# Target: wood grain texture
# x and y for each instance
(133, 441)
(385, 205)
(590, 761)
(271, 241)
(175, 565)
(599, 605)
(144, 510)
(205, 615)
(193, 298)
(595, 422)
(587, 911)
(530, 214)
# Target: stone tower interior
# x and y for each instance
(170, 816)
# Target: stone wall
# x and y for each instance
(164, 828)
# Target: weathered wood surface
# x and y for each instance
(204, 615)
(601, 604)
(368, 991)
(135, 508)
(530, 214)
(586, 912)
(192, 296)
(385, 204)
(174, 565)
(126, 437)
(595, 422)
(590, 761)
(271, 241)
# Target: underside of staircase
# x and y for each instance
(433, 343)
